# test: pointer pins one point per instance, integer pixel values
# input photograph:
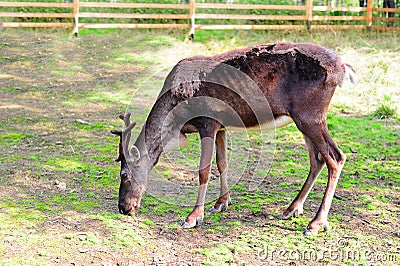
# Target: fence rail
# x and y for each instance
(196, 16)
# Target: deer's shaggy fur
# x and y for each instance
(191, 71)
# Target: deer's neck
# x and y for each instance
(151, 139)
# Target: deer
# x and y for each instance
(263, 86)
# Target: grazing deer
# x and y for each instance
(269, 85)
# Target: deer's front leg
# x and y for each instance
(222, 163)
(207, 150)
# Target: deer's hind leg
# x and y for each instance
(317, 133)
(316, 164)
(221, 204)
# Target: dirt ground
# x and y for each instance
(60, 97)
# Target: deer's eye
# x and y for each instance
(124, 175)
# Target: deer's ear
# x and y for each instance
(134, 153)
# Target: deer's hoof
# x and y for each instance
(221, 208)
(224, 208)
(295, 213)
(299, 211)
(214, 210)
(187, 225)
(309, 232)
(326, 226)
(312, 231)
(282, 216)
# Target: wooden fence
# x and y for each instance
(195, 16)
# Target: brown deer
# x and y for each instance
(247, 88)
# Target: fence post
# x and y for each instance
(309, 8)
(369, 14)
(192, 19)
(76, 17)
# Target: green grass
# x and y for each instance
(13, 138)
(386, 108)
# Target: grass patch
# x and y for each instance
(13, 138)
(386, 109)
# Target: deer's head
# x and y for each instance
(133, 172)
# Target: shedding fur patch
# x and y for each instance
(330, 61)
(190, 73)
